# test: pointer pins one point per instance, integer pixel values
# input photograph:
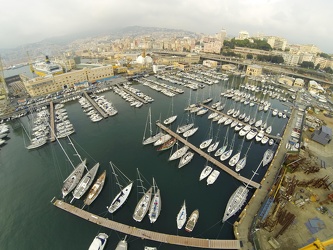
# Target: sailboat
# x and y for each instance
(192, 221)
(228, 153)
(178, 153)
(99, 242)
(242, 162)
(234, 160)
(185, 159)
(75, 176)
(205, 172)
(122, 245)
(181, 216)
(212, 177)
(187, 125)
(152, 138)
(216, 142)
(142, 206)
(172, 118)
(221, 150)
(95, 189)
(190, 132)
(268, 156)
(207, 142)
(122, 196)
(85, 182)
(155, 205)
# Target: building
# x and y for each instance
(242, 35)
(170, 60)
(50, 84)
(254, 70)
(299, 82)
(277, 43)
(182, 66)
(229, 67)
(286, 80)
(213, 46)
(290, 59)
(210, 63)
(315, 88)
(323, 135)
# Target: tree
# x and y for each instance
(317, 66)
(328, 70)
(249, 56)
(307, 65)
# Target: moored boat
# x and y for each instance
(85, 182)
(99, 242)
(179, 153)
(168, 144)
(181, 216)
(212, 177)
(205, 172)
(95, 189)
(142, 206)
(235, 202)
(185, 159)
(268, 156)
(155, 206)
(73, 179)
(190, 132)
(192, 221)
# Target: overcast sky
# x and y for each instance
(299, 21)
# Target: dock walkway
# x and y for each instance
(132, 94)
(52, 138)
(209, 158)
(146, 234)
(92, 102)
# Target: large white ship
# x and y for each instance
(47, 68)
(235, 202)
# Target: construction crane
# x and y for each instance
(318, 245)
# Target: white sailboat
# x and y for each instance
(209, 139)
(185, 159)
(268, 156)
(205, 172)
(143, 204)
(122, 245)
(222, 149)
(216, 142)
(173, 117)
(178, 153)
(190, 132)
(99, 242)
(181, 216)
(151, 138)
(242, 162)
(212, 177)
(155, 205)
(85, 182)
(122, 196)
(228, 153)
(234, 160)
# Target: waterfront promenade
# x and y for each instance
(243, 230)
(146, 234)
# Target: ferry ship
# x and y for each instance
(47, 68)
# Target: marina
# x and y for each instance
(114, 135)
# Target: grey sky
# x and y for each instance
(299, 21)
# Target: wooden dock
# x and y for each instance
(52, 138)
(132, 94)
(230, 116)
(209, 158)
(146, 234)
(92, 102)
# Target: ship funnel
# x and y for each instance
(47, 60)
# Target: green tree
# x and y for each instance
(328, 70)
(309, 65)
(249, 56)
(317, 66)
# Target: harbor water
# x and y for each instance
(30, 179)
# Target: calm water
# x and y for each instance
(30, 179)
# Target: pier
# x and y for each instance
(146, 234)
(209, 158)
(132, 94)
(52, 138)
(230, 116)
(92, 102)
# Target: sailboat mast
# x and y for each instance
(61, 146)
(150, 128)
(115, 175)
(77, 153)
